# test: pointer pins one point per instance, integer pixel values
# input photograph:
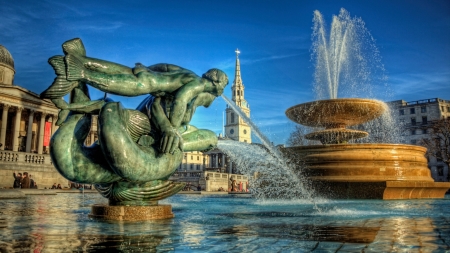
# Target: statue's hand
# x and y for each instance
(171, 140)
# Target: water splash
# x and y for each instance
(347, 62)
(270, 177)
(275, 176)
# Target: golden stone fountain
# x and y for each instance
(338, 169)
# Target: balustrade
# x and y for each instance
(22, 157)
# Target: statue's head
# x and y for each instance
(218, 78)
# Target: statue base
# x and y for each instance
(131, 213)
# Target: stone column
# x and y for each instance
(54, 126)
(3, 129)
(92, 137)
(30, 130)
(17, 129)
(41, 133)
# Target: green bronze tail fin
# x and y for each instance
(57, 62)
(74, 46)
(60, 86)
(75, 67)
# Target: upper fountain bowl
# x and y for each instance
(336, 113)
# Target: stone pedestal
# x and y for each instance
(131, 213)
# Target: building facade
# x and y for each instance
(196, 165)
(236, 128)
(417, 118)
(27, 123)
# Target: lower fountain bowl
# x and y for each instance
(367, 170)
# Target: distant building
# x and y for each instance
(27, 123)
(236, 128)
(196, 166)
(417, 118)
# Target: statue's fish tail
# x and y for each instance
(74, 46)
(75, 67)
(60, 86)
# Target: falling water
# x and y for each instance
(347, 62)
(270, 177)
(275, 178)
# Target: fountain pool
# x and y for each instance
(228, 223)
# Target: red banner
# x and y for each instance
(47, 133)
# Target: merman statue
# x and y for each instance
(137, 150)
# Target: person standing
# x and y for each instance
(32, 183)
(25, 181)
(17, 180)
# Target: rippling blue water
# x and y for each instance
(228, 223)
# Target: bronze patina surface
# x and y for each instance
(137, 149)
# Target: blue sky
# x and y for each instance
(274, 38)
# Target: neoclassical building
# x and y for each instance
(27, 123)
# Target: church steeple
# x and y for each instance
(238, 86)
(235, 127)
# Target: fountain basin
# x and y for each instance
(336, 113)
(380, 171)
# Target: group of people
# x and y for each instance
(233, 186)
(24, 181)
(73, 185)
(54, 186)
(189, 186)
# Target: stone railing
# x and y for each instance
(208, 175)
(22, 157)
(187, 174)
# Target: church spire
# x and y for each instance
(238, 86)
(237, 73)
(236, 128)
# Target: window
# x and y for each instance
(402, 112)
(232, 117)
(424, 120)
(198, 166)
(440, 171)
(413, 142)
(439, 156)
(245, 131)
(423, 109)
(413, 132)
(192, 157)
(412, 110)
(424, 131)
(448, 108)
(192, 166)
(198, 158)
(442, 108)
(413, 121)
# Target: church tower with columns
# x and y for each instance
(235, 127)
